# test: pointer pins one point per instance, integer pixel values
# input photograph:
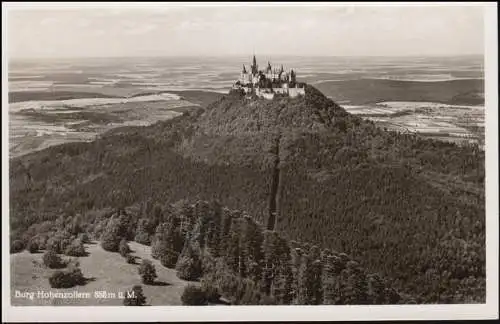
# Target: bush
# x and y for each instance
(16, 246)
(41, 241)
(147, 271)
(193, 295)
(32, 246)
(134, 297)
(53, 244)
(52, 260)
(60, 241)
(75, 249)
(123, 248)
(110, 243)
(111, 237)
(67, 279)
(169, 258)
(130, 259)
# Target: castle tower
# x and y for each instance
(254, 67)
(292, 76)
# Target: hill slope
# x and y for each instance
(407, 208)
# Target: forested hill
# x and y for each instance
(409, 209)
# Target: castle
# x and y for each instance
(266, 83)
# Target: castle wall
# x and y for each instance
(268, 96)
(294, 92)
(264, 94)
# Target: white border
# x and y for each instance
(278, 313)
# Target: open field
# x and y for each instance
(441, 121)
(106, 271)
(35, 125)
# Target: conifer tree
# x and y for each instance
(328, 281)
(269, 250)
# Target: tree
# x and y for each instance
(60, 241)
(328, 281)
(169, 258)
(32, 246)
(356, 288)
(130, 259)
(305, 284)
(16, 246)
(189, 265)
(110, 238)
(75, 224)
(67, 279)
(376, 289)
(52, 260)
(252, 248)
(84, 237)
(193, 296)
(270, 252)
(147, 271)
(167, 242)
(145, 228)
(124, 249)
(134, 297)
(211, 292)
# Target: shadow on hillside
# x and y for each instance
(160, 283)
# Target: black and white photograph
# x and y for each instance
(225, 155)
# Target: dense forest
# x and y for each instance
(409, 209)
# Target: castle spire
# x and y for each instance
(254, 66)
(244, 69)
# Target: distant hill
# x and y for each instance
(407, 208)
(365, 91)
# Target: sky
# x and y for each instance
(168, 30)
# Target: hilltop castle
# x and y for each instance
(266, 83)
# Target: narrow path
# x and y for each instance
(276, 181)
(275, 188)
